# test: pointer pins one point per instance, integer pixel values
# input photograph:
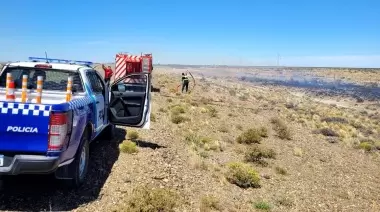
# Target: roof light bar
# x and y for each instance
(51, 60)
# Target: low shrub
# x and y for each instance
(128, 147)
(151, 200)
(256, 154)
(250, 136)
(152, 117)
(176, 110)
(281, 171)
(132, 134)
(176, 119)
(281, 128)
(209, 203)
(242, 175)
(263, 206)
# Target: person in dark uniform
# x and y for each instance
(185, 82)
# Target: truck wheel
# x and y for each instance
(80, 163)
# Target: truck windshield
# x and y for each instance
(54, 79)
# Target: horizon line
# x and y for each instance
(238, 66)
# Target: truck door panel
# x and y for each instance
(130, 100)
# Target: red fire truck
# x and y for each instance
(126, 63)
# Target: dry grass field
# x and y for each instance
(229, 145)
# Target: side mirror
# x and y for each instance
(121, 88)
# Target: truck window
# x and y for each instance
(132, 83)
(54, 79)
(96, 84)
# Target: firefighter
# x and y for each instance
(185, 82)
(107, 73)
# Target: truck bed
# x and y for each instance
(26, 125)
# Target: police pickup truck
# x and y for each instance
(53, 136)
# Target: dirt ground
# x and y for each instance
(324, 153)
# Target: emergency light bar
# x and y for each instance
(77, 62)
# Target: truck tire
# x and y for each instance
(80, 163)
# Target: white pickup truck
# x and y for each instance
(53, 136)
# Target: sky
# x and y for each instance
(241, 32)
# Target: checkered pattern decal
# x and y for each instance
(37, 109)
(24, 109)
(79, 102)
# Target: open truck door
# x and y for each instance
(130, 101)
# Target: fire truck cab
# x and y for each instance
(126, 63)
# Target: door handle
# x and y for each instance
(97, 102)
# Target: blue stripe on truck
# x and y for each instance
(72, 105)
(80, 102)
(41, 109)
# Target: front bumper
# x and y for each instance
(29, 164)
